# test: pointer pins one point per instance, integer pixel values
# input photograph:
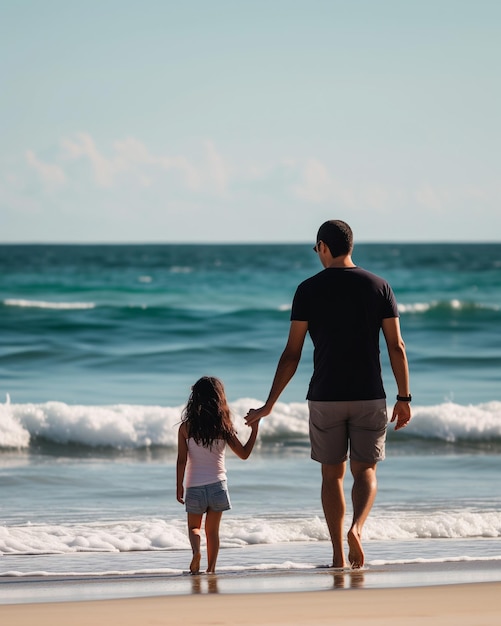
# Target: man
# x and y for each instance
(344, 308)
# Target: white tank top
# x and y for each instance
(205, 465)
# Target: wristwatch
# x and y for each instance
(404, 398)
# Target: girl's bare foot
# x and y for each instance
(356, 555)
(195, 563)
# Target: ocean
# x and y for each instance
(99, 346)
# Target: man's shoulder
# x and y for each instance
(369, 275)
(311, 281)
(333, 274)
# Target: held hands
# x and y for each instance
(401, 414)
(254, 415)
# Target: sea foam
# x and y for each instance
(42, 304)
(159, 534)
(446, 306)
(125, 426)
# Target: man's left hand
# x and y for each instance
(401, 414)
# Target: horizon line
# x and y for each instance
(243, 243)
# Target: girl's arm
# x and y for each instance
(182, 458)
(244, 451)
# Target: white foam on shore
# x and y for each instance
(284, 567)
(165, 535)
(124, 426)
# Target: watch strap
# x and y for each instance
(404, 398)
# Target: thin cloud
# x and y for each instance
(315, 183)
(104, 169)
(218, 171)
(134, 174)
(132, 152)
(133, 158)
(428, 197)
(318, 186)
(51, 175)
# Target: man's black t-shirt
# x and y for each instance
(344, 308)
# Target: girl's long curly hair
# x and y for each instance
(207, 414)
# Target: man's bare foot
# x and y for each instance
(195, 563)
(338, 563)
(356, 555)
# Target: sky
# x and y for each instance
(249, 120)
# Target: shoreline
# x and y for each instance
(38, 588)
(467, 604)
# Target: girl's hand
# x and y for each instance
(254, 415)
(180, 494)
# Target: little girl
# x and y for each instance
(206, 428)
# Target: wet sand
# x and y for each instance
(463, 605)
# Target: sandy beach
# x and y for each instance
(463, 605)
(463, 593)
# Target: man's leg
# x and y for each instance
(363, 495)
(334, 508)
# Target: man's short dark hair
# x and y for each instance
(337, 236)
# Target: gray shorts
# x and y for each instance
(214, 496)
(359, 425)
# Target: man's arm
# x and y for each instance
(399, 365)
(286, 369)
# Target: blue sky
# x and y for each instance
(162, 121)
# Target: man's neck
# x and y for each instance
(340, 261)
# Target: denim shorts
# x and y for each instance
(214, 496)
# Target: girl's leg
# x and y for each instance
(194, 526)
(212, 521)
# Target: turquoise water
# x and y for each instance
(99, 346)
(136, 324)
